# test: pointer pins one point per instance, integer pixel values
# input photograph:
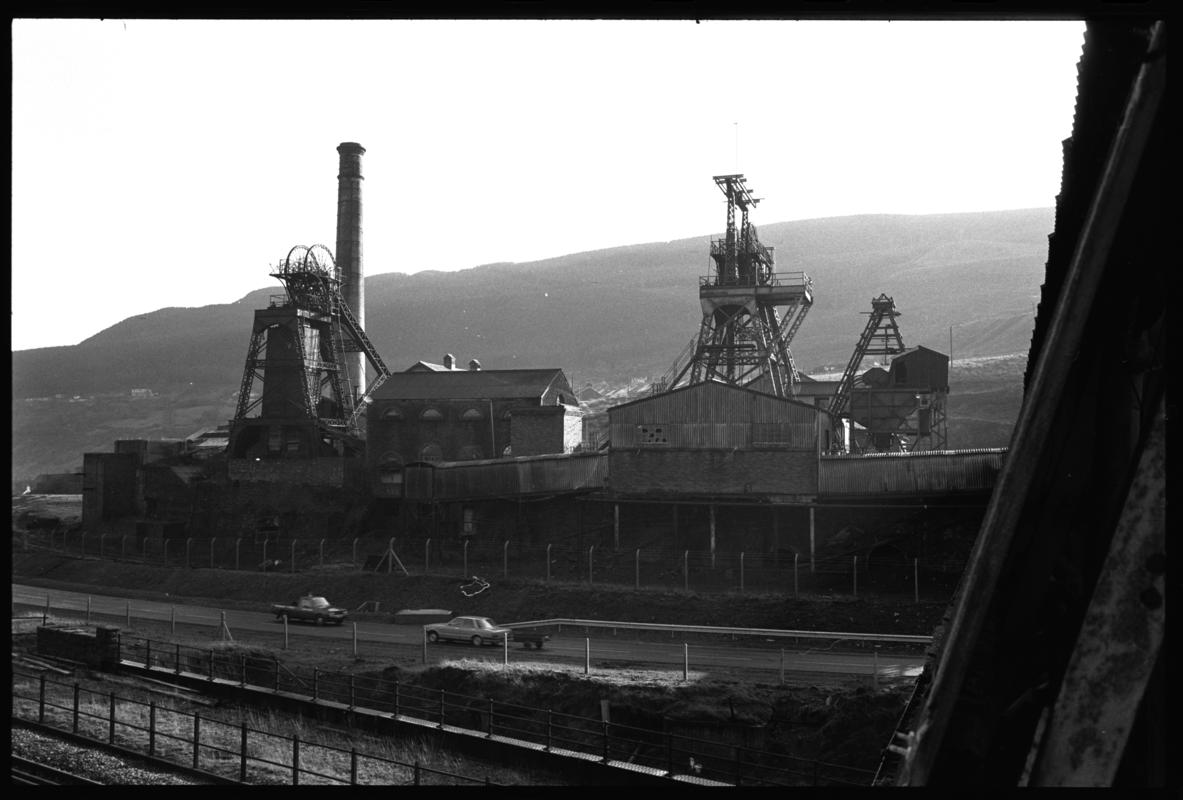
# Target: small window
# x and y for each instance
(392, 413)
(431, 415)
(651, 434)
(431, 452)
(472, 414)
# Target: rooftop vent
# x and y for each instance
(474, 364)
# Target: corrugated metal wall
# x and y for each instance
(456, 480)
(713, 415)
(910, 473)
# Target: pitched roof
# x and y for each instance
(469, 384)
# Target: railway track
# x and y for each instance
(27, 772)
(46, 756)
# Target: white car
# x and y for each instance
(477, 630)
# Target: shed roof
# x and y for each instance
(470, 384)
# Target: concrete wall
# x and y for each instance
(95, 647)
(712, 472)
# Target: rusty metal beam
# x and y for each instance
(1119, 642)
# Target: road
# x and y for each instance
(703, 657)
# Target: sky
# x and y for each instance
(162, 163)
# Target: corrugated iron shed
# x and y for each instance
(474, 384)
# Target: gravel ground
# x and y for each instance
(97, 765)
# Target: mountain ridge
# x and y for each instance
(606, 315)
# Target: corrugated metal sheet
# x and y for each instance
(712, 402)
(910, 473)
(467, 384)
(713, 415)
(548, 474)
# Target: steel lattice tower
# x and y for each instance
(298, 350)
(744, 338)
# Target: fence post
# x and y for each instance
(637, 569)
(148, 654)
(549, 723)
(589, 564)
(211, 665)
(353, 766)
(196, 741)
(548, 563)
(76, 692)
(685, 570)
(505, 559)
(604, 736)
(152, 728)
(355, 553)
(443, 701)
(177, 659)
(165, 555)
(322, 553)
(45, 616)
(396, 698)
(390, 557)
(188, 546)
(315, 684)
(782, 665)
(41, 701)
(293, 557)
(685, 661)
(111, 723)
(237, 550)
(355, 640)
(505, 646)
(916, 579)
(586, 656)
(856, 576)
(489, 730)
(741, 573)
(211, 551)
(242, 761)
(275, 661)
(466, 572)
(426, 555)
(352, 694)
(796, 586)
(172, 619)
(295, 760)
(266, 539)
(128, 613)
(88, 609)
(102, 536)
(242, 672)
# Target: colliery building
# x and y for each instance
(734, 450)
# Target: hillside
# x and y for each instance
(605, 316)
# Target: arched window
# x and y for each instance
(431, 452)
(392, 413)
(431, 415)
(472, 414)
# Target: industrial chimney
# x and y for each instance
(349, 261)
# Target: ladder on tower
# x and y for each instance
(883, 316)
(366, 346)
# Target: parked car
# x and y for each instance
(310, 608)
(475, 630)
